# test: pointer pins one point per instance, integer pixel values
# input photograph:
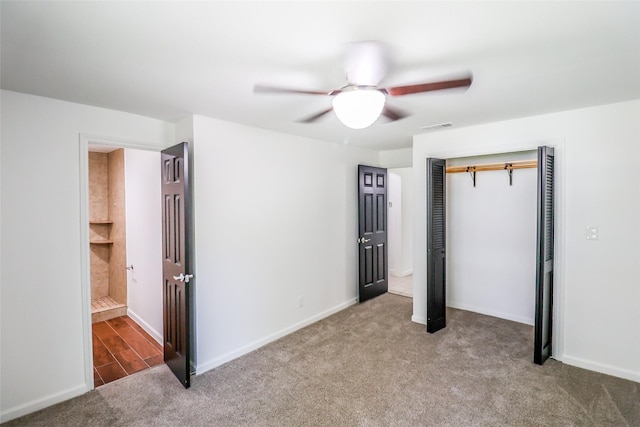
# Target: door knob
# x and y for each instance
(363, 240)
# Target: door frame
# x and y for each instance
(85, 274)
(406, 165)
(483, 149)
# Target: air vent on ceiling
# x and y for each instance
(437, 126)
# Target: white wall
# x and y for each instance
(42, 304)
(275, 220)
(144, 239)
(184, 131)
(597, 310)
(491, 239)
(400, 158)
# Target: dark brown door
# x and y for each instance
(372, 226)
(176, 270)
(436, 240)
(544, 257)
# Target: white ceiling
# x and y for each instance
(169, 60)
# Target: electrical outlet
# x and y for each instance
(592, 232)
(300, 302)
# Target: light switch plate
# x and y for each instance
(592, 232)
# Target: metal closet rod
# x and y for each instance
(524, 164)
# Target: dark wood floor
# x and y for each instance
(120, 348)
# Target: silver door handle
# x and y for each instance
(183, 277)
(363, 240)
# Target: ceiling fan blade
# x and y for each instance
(273, 89)
(393, 114)
(428, 87)
(316, 116)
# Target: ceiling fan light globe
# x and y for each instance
(358, 108)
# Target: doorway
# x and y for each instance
(400, 231)
(124, 256)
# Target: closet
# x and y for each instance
(107, 239)
(491, 235)
(496, 242)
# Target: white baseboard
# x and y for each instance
(501, 315)
(419, 319)
(404, 273)
(151, 331)
(221, 360)
(36, 405)
(602, 368)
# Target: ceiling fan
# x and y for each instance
(361, 101)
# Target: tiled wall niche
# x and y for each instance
(107, 236)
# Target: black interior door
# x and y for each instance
(436, 240)
(372, 228)
(176, 272)
(544, 257)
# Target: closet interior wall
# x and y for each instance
(491, 238)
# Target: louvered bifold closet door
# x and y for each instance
(436, 241)
(544, 257)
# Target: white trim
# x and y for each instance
(144, 325)
(221, 360)
(418, 319)
(404, 273)
(119, 142)
(85, 273)
(560, 213)
(452, 153)
(602, 368)
(45, 402)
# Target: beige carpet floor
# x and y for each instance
(369, 365)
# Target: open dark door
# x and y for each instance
(436, 239)
(544, 257)
(176, 277)
(372, 228)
